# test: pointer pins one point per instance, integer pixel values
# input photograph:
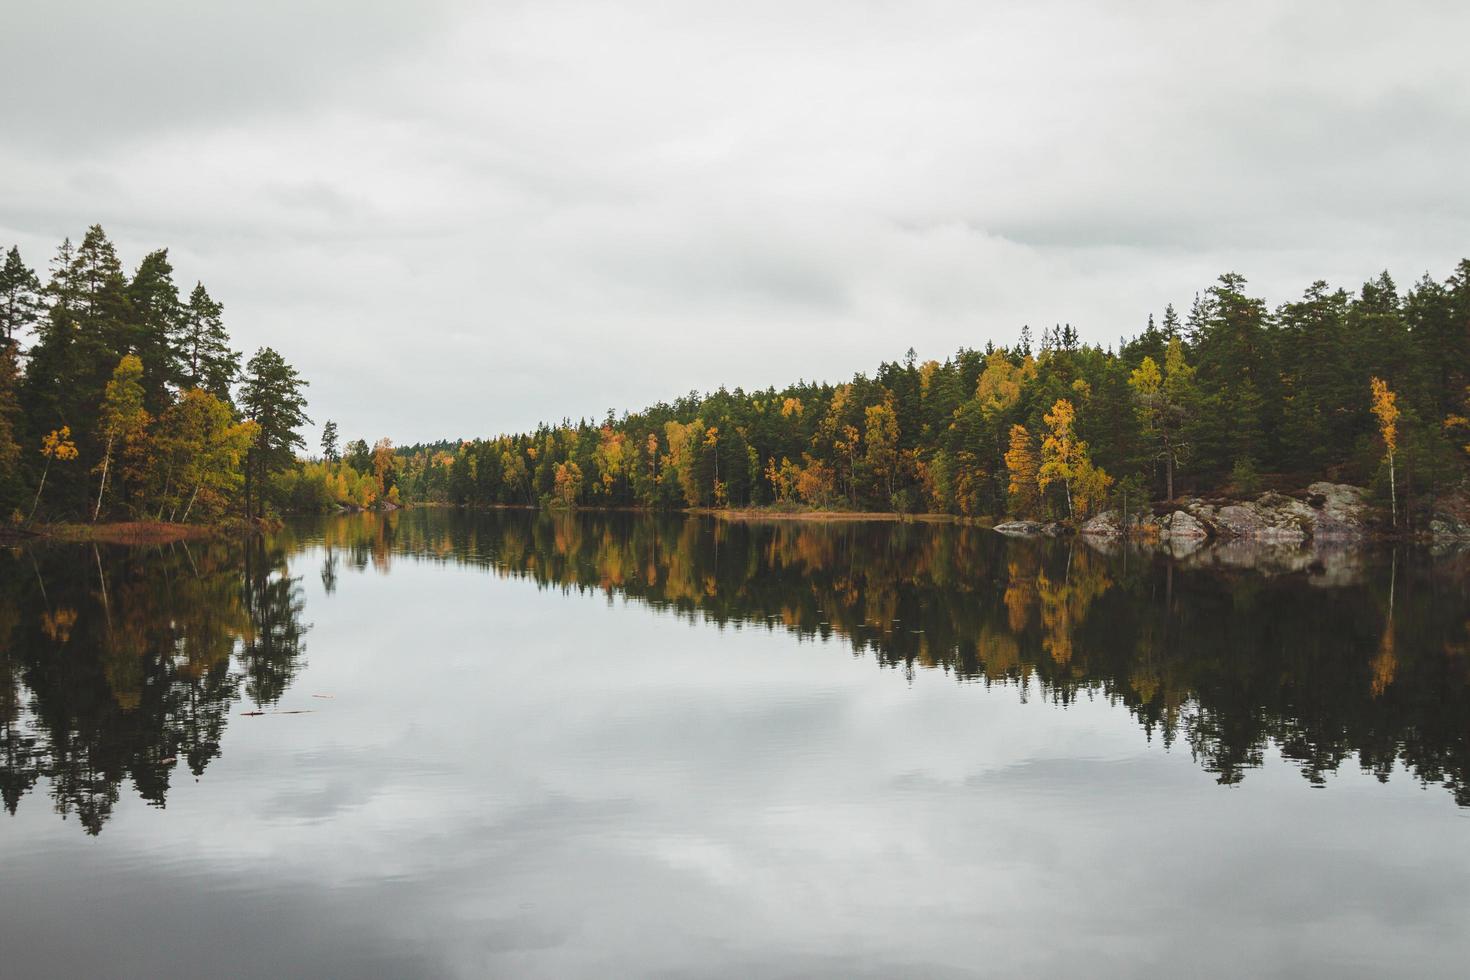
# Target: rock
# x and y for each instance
(1182, 524)
(1271, 517)
(1339, 511)
(1332, 511)
(1056, 529)
(1104, 525)
(1019, 529)
(1447, 527)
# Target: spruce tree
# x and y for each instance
(330, 452)
(154, 301)
(20, 298)
(202, 347)
(271, 396)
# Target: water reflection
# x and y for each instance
(122, 665)
(1328, 656)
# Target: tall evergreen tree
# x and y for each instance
(202, 347)
(330, 452)
(20, 298)
(154, 302)
(12, 490)
(271, 396)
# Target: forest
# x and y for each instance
(1233, 398)
(120, 399)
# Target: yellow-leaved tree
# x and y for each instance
(1386, 409)
(1021, 467)
(999, 386)
(1163, 399)
(124, 420)
(57, 445)
(1064, 460)
(881, 451)
(199, 447)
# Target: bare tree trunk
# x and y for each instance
(106, 459)
(192, 497)
(1393, 492)
(167, 482)
(46, 469)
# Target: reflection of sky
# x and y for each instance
(513, 782)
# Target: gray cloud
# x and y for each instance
(461, 220)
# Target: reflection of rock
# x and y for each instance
(1330, 566)
(1274, 533)
(1033, 529)
(1019, 529)
(1184, 546)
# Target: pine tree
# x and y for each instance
(102, 312)
(11, 490)
(154, 302)
(20, 298)
(202, 347)
(330, 453)
(271, 396)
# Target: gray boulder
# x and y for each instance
(1182, 524)
(1104, 525)
(1448, 527)
(1339, 511)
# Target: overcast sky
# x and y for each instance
(459, 218)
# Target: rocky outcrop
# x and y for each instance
(1271, 517)
(1328, 512)
(1104, 525)
(1448, 527)
(1182, 524)
(1323, 512)
(1340, 511)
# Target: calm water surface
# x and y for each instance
(440, 744)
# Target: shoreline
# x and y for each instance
(124, 532)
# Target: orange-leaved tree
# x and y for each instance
(56, 446)
(1021, 466)
(1385, 407)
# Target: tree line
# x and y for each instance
(121, 398)
(1370, 387)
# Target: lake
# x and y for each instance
(434, 743)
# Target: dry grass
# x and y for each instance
(126, 532)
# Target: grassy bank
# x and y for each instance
(129, 532)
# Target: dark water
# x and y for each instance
(507, 745)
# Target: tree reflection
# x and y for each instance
(1321, 658)
(121, 664)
